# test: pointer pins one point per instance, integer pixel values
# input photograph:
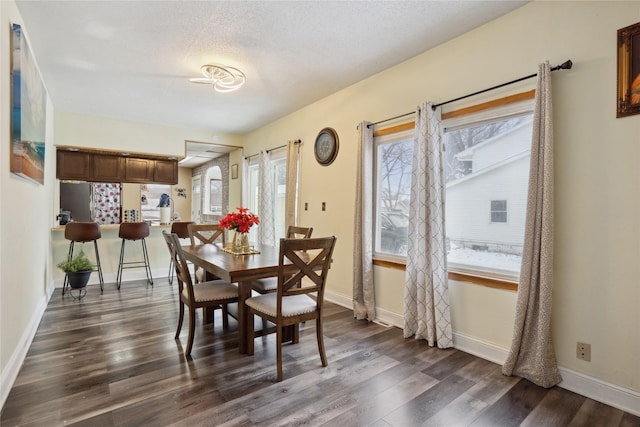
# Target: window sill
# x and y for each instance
(462, 277)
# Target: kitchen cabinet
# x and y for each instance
(165, 172)
(106, 168)
(138, 170)
(76, 165)
(73, 165)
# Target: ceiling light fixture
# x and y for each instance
(222, 78)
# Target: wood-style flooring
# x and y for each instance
(112, 360)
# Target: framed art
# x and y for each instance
(28, 111)
(234, 171)
(628, 94)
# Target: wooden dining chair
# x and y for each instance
(302, 271)
(182, 230)
(210, 294)
(270, 284)
(203, 234)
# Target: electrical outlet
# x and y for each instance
(324, 206)
(583, 351)
(306, 206)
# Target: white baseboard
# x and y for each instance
(585, 385)
(602, 391)
(10, 373)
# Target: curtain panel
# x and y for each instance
(266, 229)
(364, 300)
(426, 300)
(532, 355)
(291, 197)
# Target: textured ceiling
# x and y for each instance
(132, 59)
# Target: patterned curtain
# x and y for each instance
(291, 198)
(426, 299)
(532, 355)
(364, 299)
(267, 227)
(106, 203)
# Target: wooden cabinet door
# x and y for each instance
(166, 172)
(138, 170)
(107, 168)
(73, 165)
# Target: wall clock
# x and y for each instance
(326, 146)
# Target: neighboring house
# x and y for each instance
(486, 208)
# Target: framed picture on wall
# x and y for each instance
(234, 171)
(628, 96)
(28, 111)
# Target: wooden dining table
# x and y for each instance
(240, 269)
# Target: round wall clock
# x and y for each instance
(326, 147)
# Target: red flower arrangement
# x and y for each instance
(239, 220)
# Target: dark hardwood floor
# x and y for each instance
(112, 360)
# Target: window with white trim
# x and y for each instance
(486, 171)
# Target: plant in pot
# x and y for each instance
(78, 270)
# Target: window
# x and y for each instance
(213, 197)
(498, 211)
(150, 200)
(498, 150)
(393, 183)
(486, 166)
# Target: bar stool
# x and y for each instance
(181, 228)
(83, 232)
(134, 231)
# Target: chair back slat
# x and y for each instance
(205, 233)
(295, 232)
(304, 259)
(180, 263)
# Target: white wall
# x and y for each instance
(597, 216)
(25, 220)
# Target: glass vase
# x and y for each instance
(240, 243)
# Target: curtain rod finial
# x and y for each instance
(566, 65)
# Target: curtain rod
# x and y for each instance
(564, 66)
(297, 141)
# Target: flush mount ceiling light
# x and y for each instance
(222, 78)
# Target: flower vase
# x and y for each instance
(240, 243)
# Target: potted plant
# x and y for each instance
(78, 270)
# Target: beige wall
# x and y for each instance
(25, 221)
(597, 176)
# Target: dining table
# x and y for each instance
(235, 268)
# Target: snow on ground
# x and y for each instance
(485, 259)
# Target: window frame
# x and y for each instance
(516, 104)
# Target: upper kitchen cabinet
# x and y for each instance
(73, 165)
(76, 165)
(138, 170)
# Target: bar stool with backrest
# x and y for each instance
(134, 231)
(83, 232)
(182, 231)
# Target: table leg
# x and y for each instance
(244, 292)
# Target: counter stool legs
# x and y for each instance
(134, 264)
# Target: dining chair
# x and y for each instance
(270, 284)
(204, 233)
(211, 294)
(299, 259)
(181, 229)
